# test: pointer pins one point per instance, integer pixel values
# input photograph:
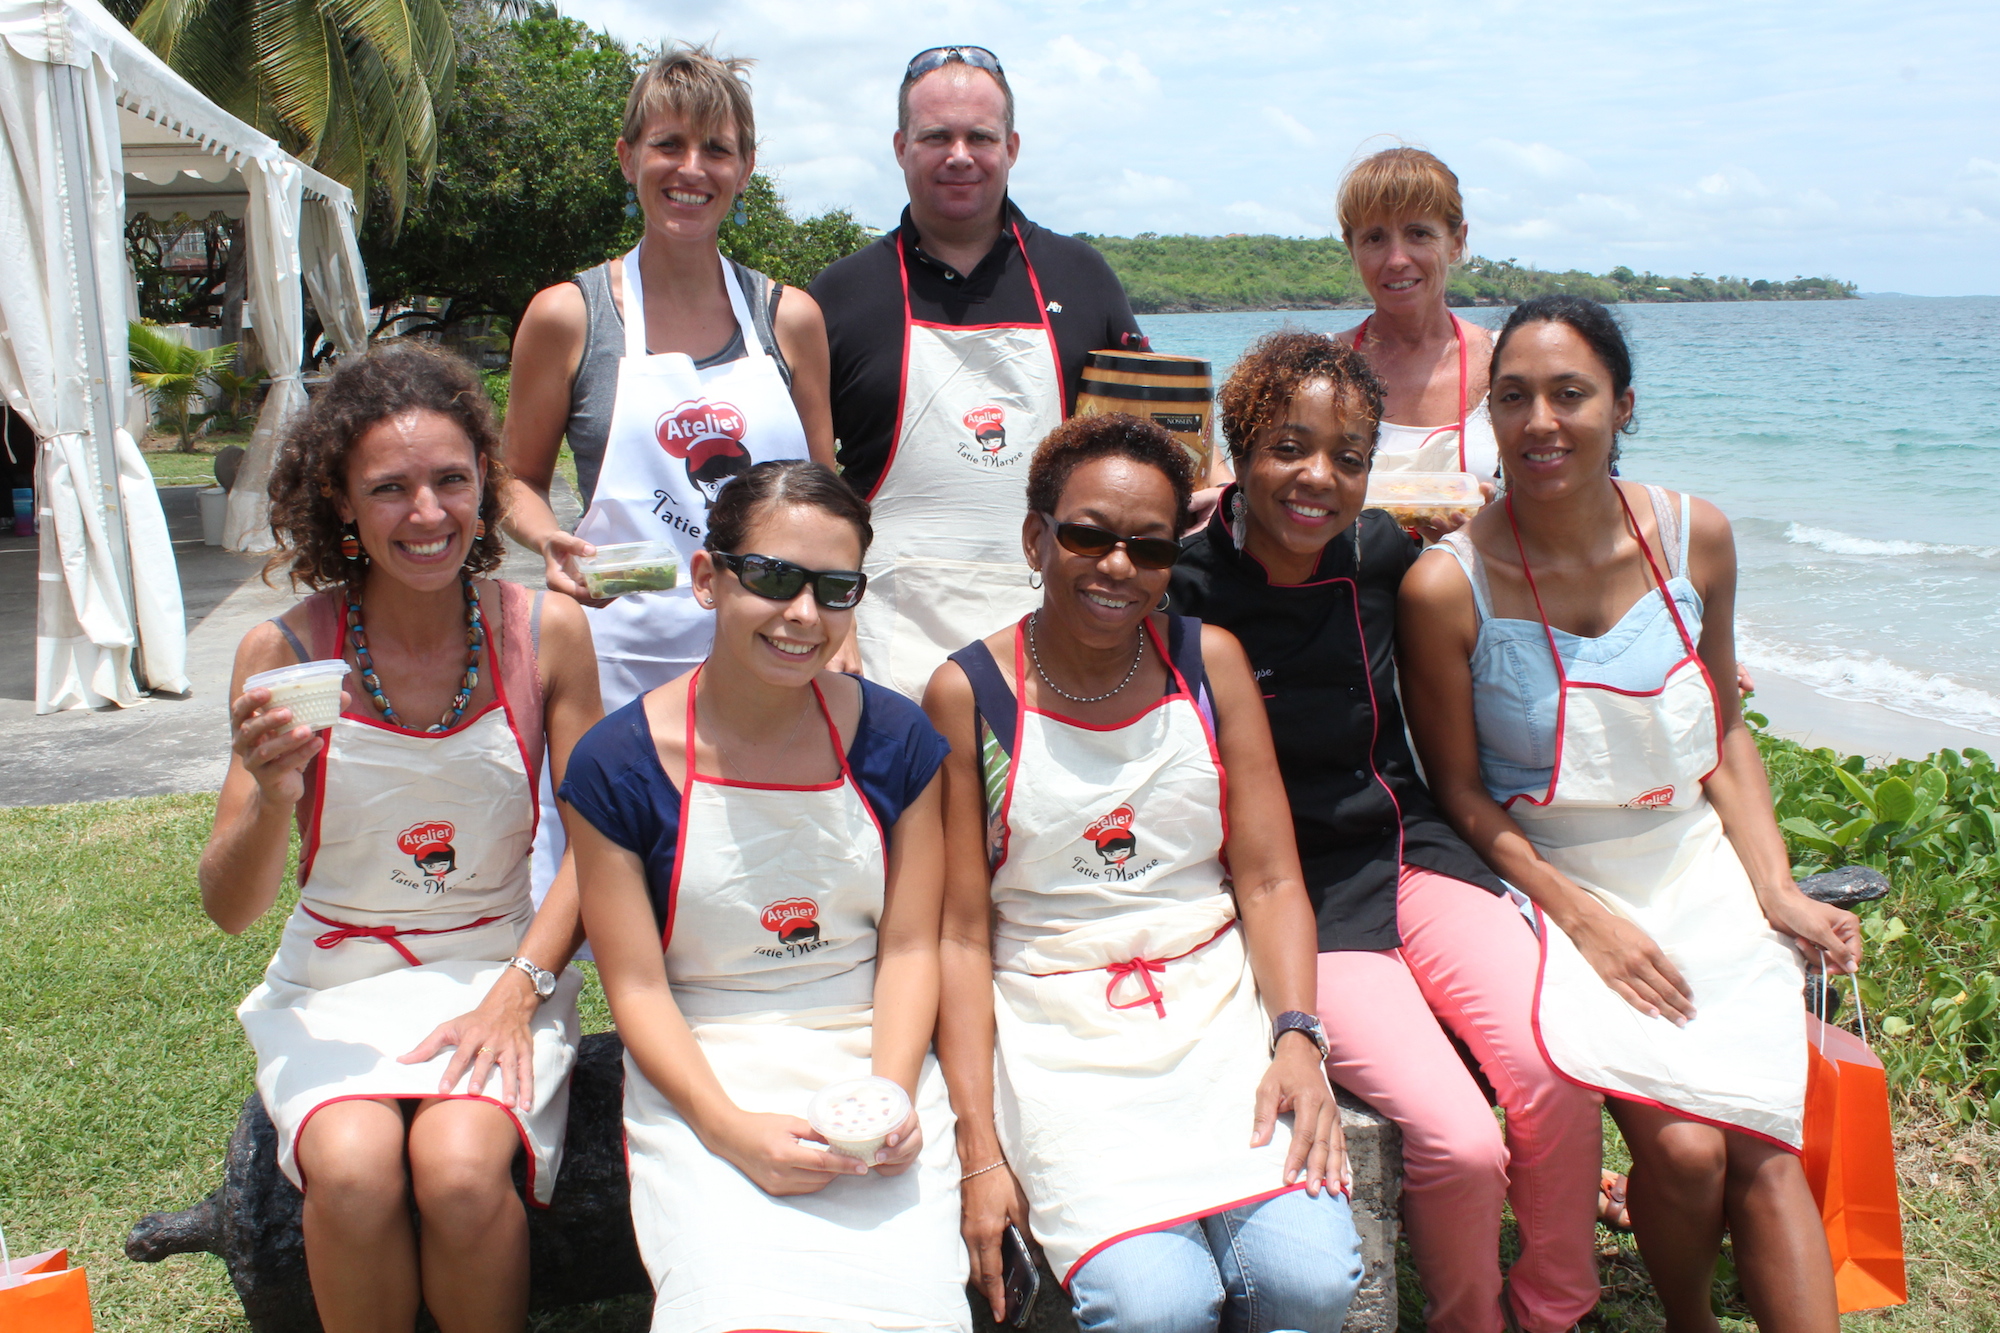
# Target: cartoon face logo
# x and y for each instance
(709, 438)
(988, 425)
(429, 846)
(1112, 835)
(794, 921)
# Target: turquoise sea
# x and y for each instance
(1855, 445)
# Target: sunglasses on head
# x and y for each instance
(923, 62)
(780, 580)
(1094, 543)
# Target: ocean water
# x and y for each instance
(1855, 446)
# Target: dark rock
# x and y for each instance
(581, 1247)
(1846, 888)
(228, 459)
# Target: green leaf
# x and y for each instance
(1895, 801)
(1854, 828)
(1855, 789)
(1932, 788)
(1894, 1026)
(1809, 833)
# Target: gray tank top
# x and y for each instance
(596, 387)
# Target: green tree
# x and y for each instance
(353, 87)
(771, 241)
(175, 375)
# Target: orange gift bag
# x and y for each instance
(1850, 1162)
(43, 1294)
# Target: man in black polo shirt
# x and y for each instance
(957, 341)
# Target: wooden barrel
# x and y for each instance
(1177, 392)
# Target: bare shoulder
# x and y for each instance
(1711, 542)
(948, 699)
(1436, 582)
(554, 321)
(564, 626)
(1221, 648)
(265, 648)
(798, 314)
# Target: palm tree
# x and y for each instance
(176, 375)
(357, 88)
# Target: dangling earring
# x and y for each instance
(350, 544)
(479, 530)
(1034, 578)
(631, 203)
(739, 217)
(1164, 599)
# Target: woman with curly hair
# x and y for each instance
(1418, 945)
(417, 1025)
(1130, 934)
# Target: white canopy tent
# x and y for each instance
(83, 104)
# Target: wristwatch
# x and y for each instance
(1294, 1021)
(545, 981)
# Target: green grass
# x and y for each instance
(126, 1069)
(170, 467)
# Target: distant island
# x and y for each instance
(1175, 274)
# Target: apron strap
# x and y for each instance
(1464, 366)
(635, 306)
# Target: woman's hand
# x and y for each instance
(493, 1036)
(905, 1141)
(987, 1203)
(1817, 927)
(1296, 1082)
(273, 751)
(559, 556)
(781, 1154)
(1631, 964)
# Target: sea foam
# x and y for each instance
(1875, 680)
(1840, 543)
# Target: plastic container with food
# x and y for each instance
(856, 1116)
(1424, 497)
(310, 689)
(630, 567)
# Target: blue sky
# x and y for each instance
(1762, 139)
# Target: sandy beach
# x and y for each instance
(1849, 726)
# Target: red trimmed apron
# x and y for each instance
(413, 895)
(946, 565)
(770, 948)
(1467, 445)
(1625, 817)
(1130, 1036)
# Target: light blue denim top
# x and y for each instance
(1514, 684)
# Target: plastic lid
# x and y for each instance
(629, 553)
(305, 673)
(886, 1094)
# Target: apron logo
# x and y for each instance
(1657, 798)
(795, 921)
(987, 426)
(428, 845)
(1116, 846)
(709, 438)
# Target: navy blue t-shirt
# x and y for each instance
(615, 780)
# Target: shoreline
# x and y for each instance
(1852, 726)
(1479, 303)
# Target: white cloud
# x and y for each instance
(1286, 125)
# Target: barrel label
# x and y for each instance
(1182, 423)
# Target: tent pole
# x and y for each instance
(70, 122)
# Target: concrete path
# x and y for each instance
(165, 744)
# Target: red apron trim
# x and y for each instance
(342, 932)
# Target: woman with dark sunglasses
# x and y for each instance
(1419, 946)
(759, 854)
(1130, 934)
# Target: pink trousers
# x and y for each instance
(1468, 963)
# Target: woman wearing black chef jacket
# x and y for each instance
(1418, 941)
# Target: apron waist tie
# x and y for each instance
(343, 931)
(1142, 968)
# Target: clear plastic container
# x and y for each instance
(855, 1116)
(630, 567)
(1424, 497)
(310, 689)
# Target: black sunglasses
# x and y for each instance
(1095, 543)
(923, 62)
(780, 580)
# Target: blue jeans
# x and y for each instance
(1289, 1263)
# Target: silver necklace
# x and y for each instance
(715, 738)
(1043, 671)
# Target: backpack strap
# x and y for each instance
(297, 648)
(992, 700)
(1184, 648)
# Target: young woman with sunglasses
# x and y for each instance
(760, 857)
(1131, 934)
(1560, 654)
(1418, 944)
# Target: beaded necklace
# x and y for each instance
(475, 638)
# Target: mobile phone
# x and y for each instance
(1020, 1280)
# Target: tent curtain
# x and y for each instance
(331, 258)
(276, 192)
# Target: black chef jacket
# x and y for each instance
(1328, 675)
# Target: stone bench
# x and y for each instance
(581, 1247)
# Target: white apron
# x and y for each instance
(946, 565)
(413, 895)
(1130, 1036)
(1468, 445)
(770, 947)
(1625, 816)
(676, 434)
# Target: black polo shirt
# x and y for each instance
(862, 296)
(1324, 656)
